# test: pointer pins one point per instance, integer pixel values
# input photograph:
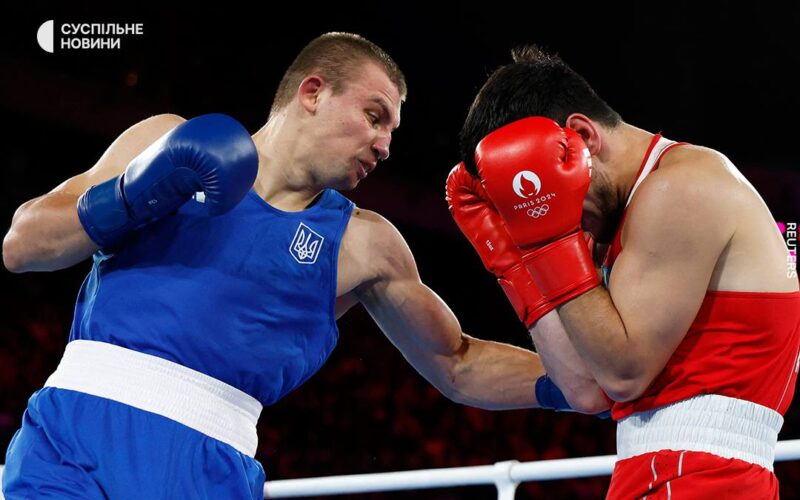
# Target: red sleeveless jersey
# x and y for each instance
(744, 345)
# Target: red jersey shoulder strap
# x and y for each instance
(659, 145)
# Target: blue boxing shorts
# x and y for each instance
(116, 423)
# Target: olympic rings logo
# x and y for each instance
(539, 211)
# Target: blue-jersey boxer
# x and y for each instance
(238, 308)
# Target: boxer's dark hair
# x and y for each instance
(535, 84)
(336, 57)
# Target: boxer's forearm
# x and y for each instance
(566, 367)
(46, 235)
(494, 376)
(596, 330)
(467, 370)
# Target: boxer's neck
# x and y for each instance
(283, 181)
(624, 149)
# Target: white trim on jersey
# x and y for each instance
(655, 155)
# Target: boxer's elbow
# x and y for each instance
(13, 256)
(622, 389)
(20, 242)
(25, 253)
(590, 400)
(627, 377)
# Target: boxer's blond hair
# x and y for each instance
(336, 57)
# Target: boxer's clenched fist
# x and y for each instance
(537, 174)
(481, 224)
(211, 153)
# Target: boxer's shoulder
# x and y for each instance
(696, 164)
(692, 175)
(366, 225)
(372, 248)
(137, 137)
(375, 240)
(125, 148)
(691, 193)
(157, 123)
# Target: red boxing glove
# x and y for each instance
(537, 175)
(481, 224)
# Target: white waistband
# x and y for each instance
(723, 426)
(157, 385)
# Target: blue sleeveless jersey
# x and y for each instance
(247, 297)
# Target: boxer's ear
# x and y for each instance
(587, 129)
(309, 91)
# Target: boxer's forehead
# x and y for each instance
(373, 85)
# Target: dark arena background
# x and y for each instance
(723, 78)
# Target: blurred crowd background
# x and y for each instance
(723, 79)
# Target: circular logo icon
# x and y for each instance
(45, 36)
(530, 187)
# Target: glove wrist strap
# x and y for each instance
(524, 296)
(103, 212)
(562, 270)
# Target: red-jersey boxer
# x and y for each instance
(696, 335)
(719, 401)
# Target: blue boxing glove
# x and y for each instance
(211, 153)
(550, 397)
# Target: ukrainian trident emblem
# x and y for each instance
(306, 245)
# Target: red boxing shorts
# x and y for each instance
(690, 475)
(705, 447)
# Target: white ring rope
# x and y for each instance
(499, 474)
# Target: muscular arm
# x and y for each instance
(566, 367)
(45, 233)
(468, 370)
(676, 229)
